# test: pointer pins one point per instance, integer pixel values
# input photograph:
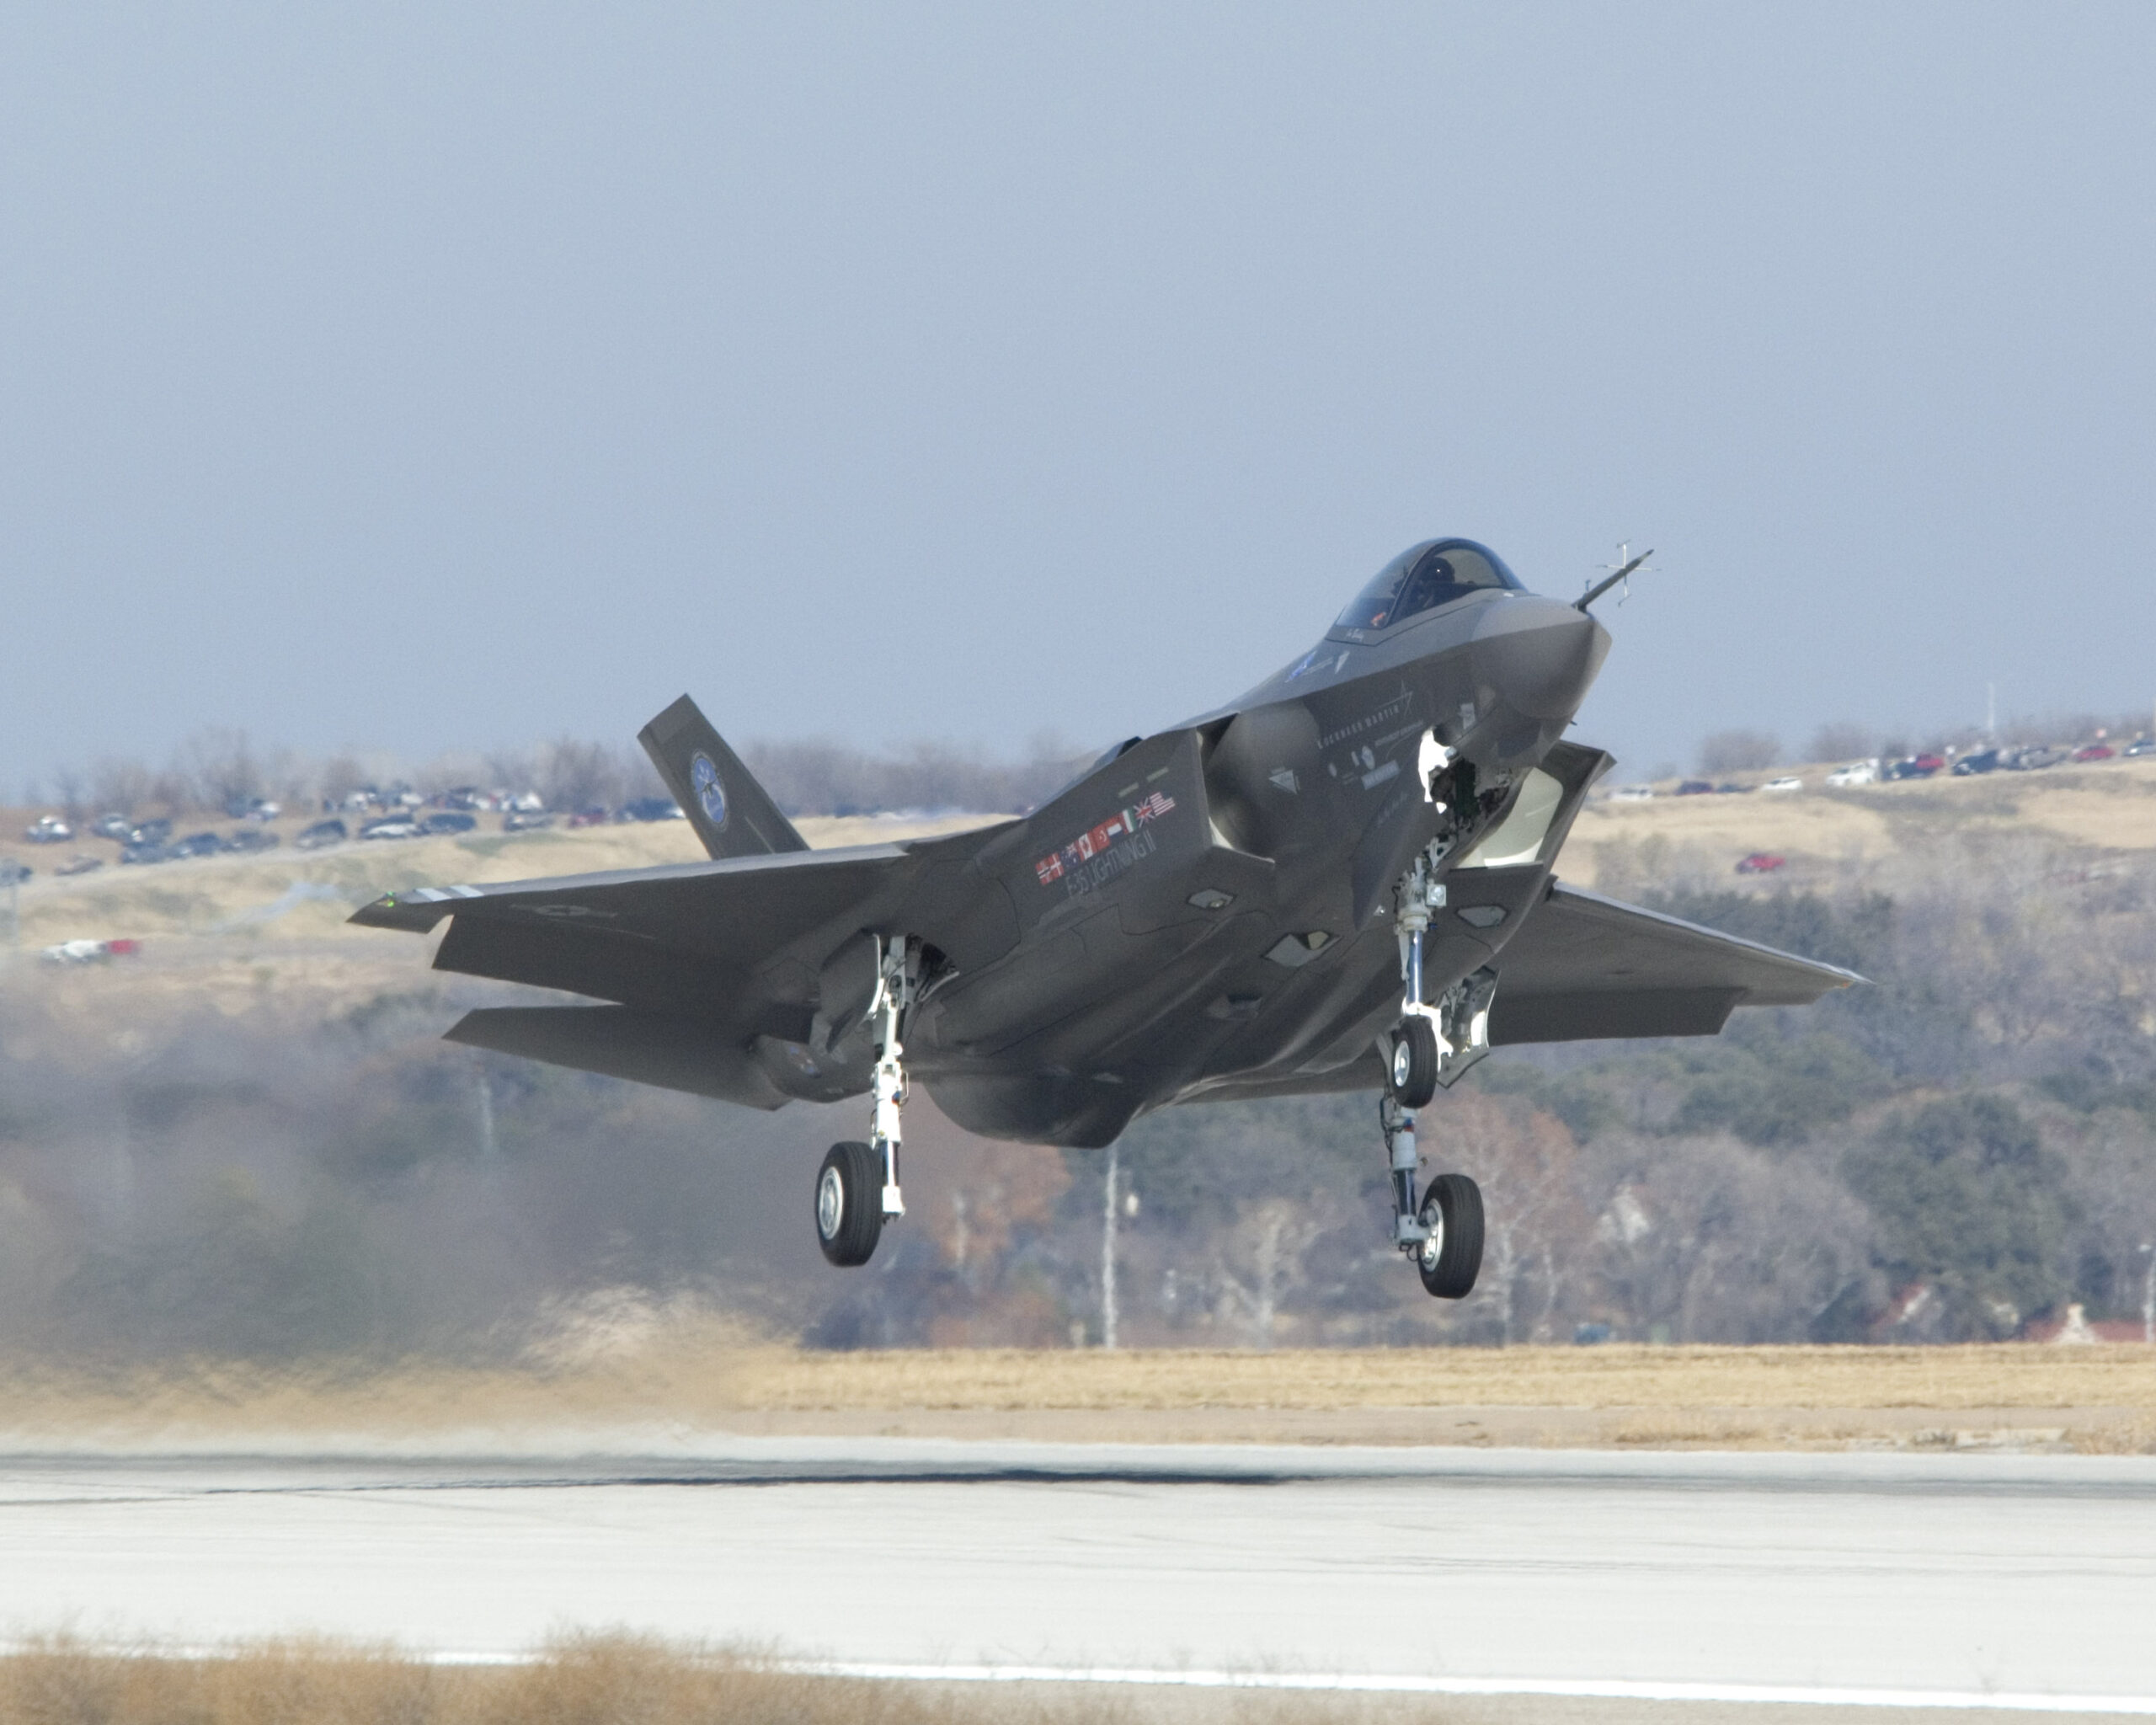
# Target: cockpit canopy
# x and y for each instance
(1420, 578)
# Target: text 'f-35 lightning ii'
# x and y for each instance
(1340, 881)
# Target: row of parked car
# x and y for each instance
(153, 840)
(2028, 758)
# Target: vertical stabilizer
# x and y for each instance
(734, 815)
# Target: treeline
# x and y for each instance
(1747, 749)
(1963, 1147)
(216, 772)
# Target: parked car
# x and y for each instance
(48, 830)
(651, 809)
(2141, 745)
(1916, 767)
(149, 851)
(1983, 761)
(332, 832)
(523, 821)
(90, 951)
(1732, 790)
(390, 827)
(249, 840)
(2095, 751)
(437, 824)
(80, 865)
(197, 844)
(1787, 781)
(1857, 772)
(12, 874)
(1761, 862)
(2034, 758)
(112, 826)
(150, 832)
(594, 816)
(1695, 788)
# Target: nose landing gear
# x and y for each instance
(1432, 1046)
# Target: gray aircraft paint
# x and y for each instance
(1205, 914)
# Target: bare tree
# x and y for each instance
(1705, 1240)
(579, 775)
(1843, 741)
(222, 769)
(69, 791)
(120, 787)
(1739, 751)
(1538, 1229)
(1265, 1249)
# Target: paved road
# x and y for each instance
(1947, 1573)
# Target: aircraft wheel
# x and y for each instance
(1452, 1257)
(850, 1203)
(1415, 1063)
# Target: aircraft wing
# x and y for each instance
(1584, 966)
(722, 952)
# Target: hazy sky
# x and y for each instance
(455, 375)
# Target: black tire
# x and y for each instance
(1415, 1064)
(1452, 1208)
(849, 1205)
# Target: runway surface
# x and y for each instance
(1948, 1574)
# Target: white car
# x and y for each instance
(1857, 772)
(49, 830)
(1789, 782)
(1632, 794)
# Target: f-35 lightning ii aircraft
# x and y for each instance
(1339, 881)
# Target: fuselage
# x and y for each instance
(1209, 910)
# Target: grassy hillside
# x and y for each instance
(1882, 834)
(231, 926)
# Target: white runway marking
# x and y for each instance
(1949, 1581)
(1350, 1684)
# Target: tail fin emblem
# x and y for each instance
(710, 788)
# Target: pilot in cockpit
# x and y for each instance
(1423, 577)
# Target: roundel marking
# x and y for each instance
(710, 788)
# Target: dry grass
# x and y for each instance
(196, 898)
(596, 1680)
(700, 1376)
(583, 1682)
(2108, 806)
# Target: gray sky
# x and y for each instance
(451, 375)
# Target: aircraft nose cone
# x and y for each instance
(1540, 656)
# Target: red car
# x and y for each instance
(2095, 751)
(1761, 862)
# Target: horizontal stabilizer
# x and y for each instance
(733, 814)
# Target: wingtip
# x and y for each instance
(407, 915)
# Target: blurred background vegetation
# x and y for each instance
(1962, 1150)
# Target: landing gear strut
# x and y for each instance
(1431, 1047)
(857, 1188)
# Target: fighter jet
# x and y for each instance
(1340, 881)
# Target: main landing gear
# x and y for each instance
(858, 1186)
(1432, 1045)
